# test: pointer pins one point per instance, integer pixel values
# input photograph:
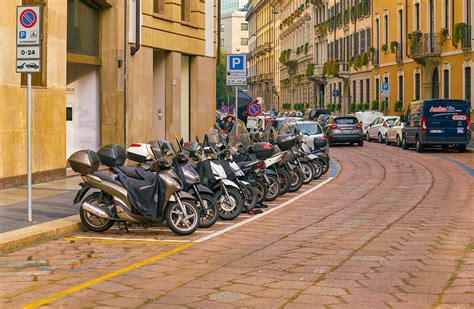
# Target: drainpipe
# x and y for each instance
(125, 73)
(136, 47)
(218, 32)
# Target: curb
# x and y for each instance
(28, 236)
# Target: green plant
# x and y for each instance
(375, 105)
(393, 47)
(338, 107)
(398, 106)
(365, 106)
(310, 70)
(358, 61)
(352, 107)
(365, 59)
(331, 107)
(444, 35)
(306, 46)
(460, 32)
(414, 38)
(385, 48)
(359, 106)
(307, 105)
(298, 50)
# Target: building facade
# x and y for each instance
(296, 57)
(234, 33)
(425, 51)
(261, 52)
(104, 81)
(320, 54)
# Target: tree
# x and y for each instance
(223, 92)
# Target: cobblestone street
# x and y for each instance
(393, 229)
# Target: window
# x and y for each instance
(367, 91)
(377, 89)
(417, 86)
(68, 113)
(222, 27)
(361, 91)
(400, 88)
(446, 84)
(185, 10)
(354, 91)
(446, 14)
(244, 41)
(159, 6)
(467, 84)
(244, 26)
(83, 28)
(39, 79)
(385, 20)
(340, 93)
(362, 41)
(417, 16)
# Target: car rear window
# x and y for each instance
(346, 120)
(309, 128)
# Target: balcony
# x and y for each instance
(425, 46)
(267, 77)
(261, 49)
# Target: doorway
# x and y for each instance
(435, 85)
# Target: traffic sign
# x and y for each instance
(28, 25)
(28, 66)
(385, 90)
(224, 109)
(237, 63)
(28, 52)
(236, 79)
(231, 109)
(254, 109)
(335, 93)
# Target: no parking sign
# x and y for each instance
(254, 109)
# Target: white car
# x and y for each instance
(394, 133)
(378, 128)
(366, 117)
(310, 130)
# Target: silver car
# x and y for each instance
(378, 128)
(394, 133)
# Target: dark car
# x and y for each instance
(437, 123)
(313, 114)
(345, 129)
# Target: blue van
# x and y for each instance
(437, 123)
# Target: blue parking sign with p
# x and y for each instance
(385, 87)
(22, 35)
(236, 63)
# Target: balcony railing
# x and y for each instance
(376, 57)
(426, 46)
(466, 41)
(399, 53)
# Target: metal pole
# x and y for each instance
(237, 101)
(28, 104)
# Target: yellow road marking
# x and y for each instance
(106, 277)
(122, 240)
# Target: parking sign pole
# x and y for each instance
(237, 100)
(28, 104)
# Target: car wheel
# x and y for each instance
(387, 142)
(367, 136)
(399, 142)
(360, 143)
(380, 139)
(462, 148)
(419, 146)
(404, 143)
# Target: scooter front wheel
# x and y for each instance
(250, 195)
(208, 211)
(285, 180)
(182, 219)
(318, 169)
(296, 179)
(229, 207)
(308, 172)
(261, 189)
(273, 190)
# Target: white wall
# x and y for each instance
(233, 34)
(83, 96)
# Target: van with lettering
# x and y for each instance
(437, 122)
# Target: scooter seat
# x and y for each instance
(108, 177)
(130, 172)
(246, 165)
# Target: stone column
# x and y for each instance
(173, 94)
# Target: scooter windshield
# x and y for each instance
(239, 136)
(288, 127)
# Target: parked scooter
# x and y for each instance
(118, 200)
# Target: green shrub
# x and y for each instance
(375, 105)
(352, 107)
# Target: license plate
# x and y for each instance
(437, 131)
(346, 131)
(460, 130)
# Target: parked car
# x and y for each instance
(437, 123)
(366, 117)
(312, 132)
(313, 114)
(394, 133)
(378, 128)
(342, 129)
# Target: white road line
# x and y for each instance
(269, 211)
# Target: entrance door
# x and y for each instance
(435, 85)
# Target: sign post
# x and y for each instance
(28, 60)
(236, 75)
